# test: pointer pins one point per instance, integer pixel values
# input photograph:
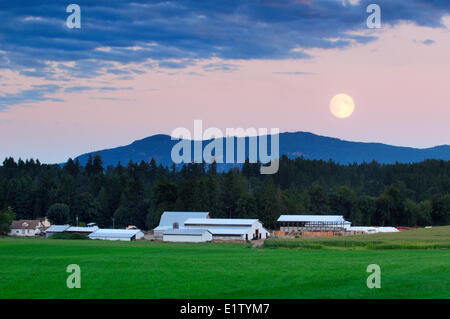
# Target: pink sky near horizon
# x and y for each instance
(399, 85)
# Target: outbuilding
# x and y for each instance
(230, 228)
(187, 235)
(55, 229)
(117, 234)
(81, 230)
(289, 223)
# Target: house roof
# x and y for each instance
(220, 221)
(56, 228)
(186, 231)
(114, 233)
(26, 224)
(312, 218)
(169, 218)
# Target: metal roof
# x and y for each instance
(186, 231)
(115, 233)
(56, 228)
(220, 221)
(82, 229)
(169, 218)
(312, 218)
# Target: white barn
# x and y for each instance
(117, 234)
(175, 220)
(230, 229)
(187, 235)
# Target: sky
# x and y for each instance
(139, 68)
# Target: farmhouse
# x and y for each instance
(175, 220)
(187, 235)
(313, 223)
(26, 228)
(229, 229)
(117, 234)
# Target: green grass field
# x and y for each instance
(36, 268)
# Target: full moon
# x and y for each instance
(342, 106)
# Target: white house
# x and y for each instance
(312, 222)
(187, 235)
(117, 234)
(175, 220)
(229, 228)
(26, 228)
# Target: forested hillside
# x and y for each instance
(137, 194)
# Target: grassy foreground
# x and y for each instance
(36, 268)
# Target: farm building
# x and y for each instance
(54, 229)
(175, 220)
(230, 229)
(26, 228)
(117, 234)
(81, 230)
(187, 235)
(316, 223)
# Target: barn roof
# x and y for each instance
(220, 221)
(56, 228)
(169, 218)
(82, 229)
(114, 233)
(312, 218)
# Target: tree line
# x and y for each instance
(136, 194)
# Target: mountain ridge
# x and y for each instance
(292, 144)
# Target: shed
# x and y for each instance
(312, 222)
(54, 229)
(187, 235)
(81, 230)
(117, 234)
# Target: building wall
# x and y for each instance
(24, 232)
(113, 238)
(187, 238)
(237, 237)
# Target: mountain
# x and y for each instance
(298, 144)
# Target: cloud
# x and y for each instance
(122, 38)
(134, 32)
(34, 94)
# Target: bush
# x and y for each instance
(69, 236)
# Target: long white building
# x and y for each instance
(229, 228)
(289, 223)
